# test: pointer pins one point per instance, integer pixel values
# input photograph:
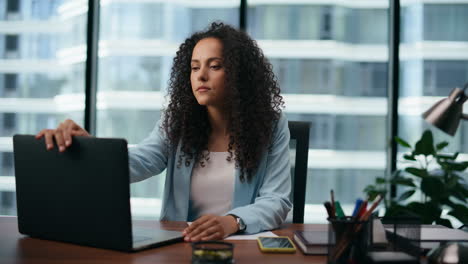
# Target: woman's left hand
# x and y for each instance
(210, 227)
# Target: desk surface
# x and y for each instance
(16, 248)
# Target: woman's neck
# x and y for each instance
(218, 121)
(219, 137)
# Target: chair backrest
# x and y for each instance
(300, 143)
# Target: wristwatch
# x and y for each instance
(240, 223)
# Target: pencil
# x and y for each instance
(366, 215)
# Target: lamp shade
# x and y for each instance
(446, 113)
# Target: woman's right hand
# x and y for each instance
(62, 134)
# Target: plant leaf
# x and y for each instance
(459, 195)
(398, 210)
(406, 195)
(425, 146)
(429, 212)
(452, 182)
(431, 186)
(380, 180)
(403, 181)
(402, 143)
(456, 166)
(441, 145)
(409, 157)
(372, 195)
(417, 172)
(460, 212)
(463, 188)
(369, 188)
(444, 222)
(447, 156)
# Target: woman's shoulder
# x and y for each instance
(281, 123)
(280, 128)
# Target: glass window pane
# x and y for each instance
(138, 40)
(331, 63)
(434, 61)
(41, 74)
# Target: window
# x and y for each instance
(10, 84)
(9, 121)
(435, 32)
(11, 43)
(442, 22)
(330, 59)
(326, 23)
(39, 79)
(314, 49)
(13, 6)
(277, 21)
(11, 81)
(138, 42)
(440, 77)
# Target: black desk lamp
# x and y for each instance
(446, 113)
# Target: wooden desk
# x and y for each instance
(16, 248)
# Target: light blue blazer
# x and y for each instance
(263, 203)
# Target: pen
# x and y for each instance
(357, 206)
(339, 210)
(328, 206)
(332, 195)
(362, 209)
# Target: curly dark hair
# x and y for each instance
(254, 101)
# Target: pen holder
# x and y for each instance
(349, 240)
(212, 252)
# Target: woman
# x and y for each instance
(223, 139)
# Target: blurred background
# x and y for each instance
(330, 57)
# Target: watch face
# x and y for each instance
(241, 224)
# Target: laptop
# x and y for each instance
(80, 196)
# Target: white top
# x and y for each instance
(212, 186)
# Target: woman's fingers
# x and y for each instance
(62, 135)
(68, 127)
(195, 224)
(41, 133)
(48, 135)
(205, 228)
(214, 236)
(214, 232)
(59, 139)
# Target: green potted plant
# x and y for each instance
(437, 187)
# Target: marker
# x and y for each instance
(328, 206)
(362, 209)
(339, 210)
(357, 206)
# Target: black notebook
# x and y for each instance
(312, 242)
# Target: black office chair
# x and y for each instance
(300, 142)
